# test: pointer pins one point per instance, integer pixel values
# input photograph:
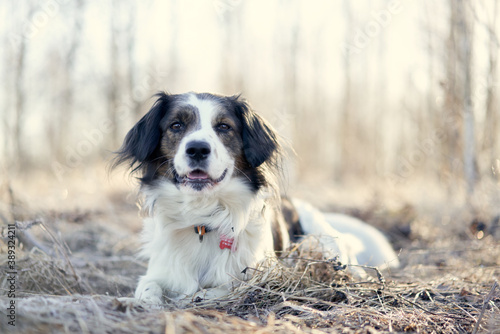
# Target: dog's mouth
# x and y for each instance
(198, 179)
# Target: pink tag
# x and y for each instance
(225, 242)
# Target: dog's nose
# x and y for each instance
(198, 150)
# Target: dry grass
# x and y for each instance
(446, 284)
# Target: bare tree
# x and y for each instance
(66, 110)
(451, 118)
(173, 60)
(114, 76)
(346, 121)
(430, 121)
(130, 51)
(378, 154)
(20, 91)
(288, 35)
(6, 103)
(465, 51)
(231, 75)
(490, 130)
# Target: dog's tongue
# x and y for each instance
(198, 175)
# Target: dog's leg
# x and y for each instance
(376, 250)
(149, 292)
(330, 241)
(357, 242)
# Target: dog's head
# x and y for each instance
(199, 142)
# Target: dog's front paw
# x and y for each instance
(149, 292)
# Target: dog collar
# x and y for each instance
(225, 242)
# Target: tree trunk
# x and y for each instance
(451, 120)
(66, 110)
(490, 130)
(114, 75)
(469, 151)
(345, 123)
(136, 101)
(20, 98)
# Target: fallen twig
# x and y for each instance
(486, 301)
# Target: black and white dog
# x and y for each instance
(209, 168)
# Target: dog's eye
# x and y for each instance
(176, 126)
(223, 127)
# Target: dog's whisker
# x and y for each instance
(169, 172)
(163, 163)
(242, 172)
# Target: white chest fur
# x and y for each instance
(178, 262)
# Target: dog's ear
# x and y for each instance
(144, 138)
(260, 142)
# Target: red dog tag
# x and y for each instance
(225, 242)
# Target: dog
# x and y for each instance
(209, 167)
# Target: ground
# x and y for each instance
(76, 241)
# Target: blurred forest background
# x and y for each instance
(389, 92)
(391, 106)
